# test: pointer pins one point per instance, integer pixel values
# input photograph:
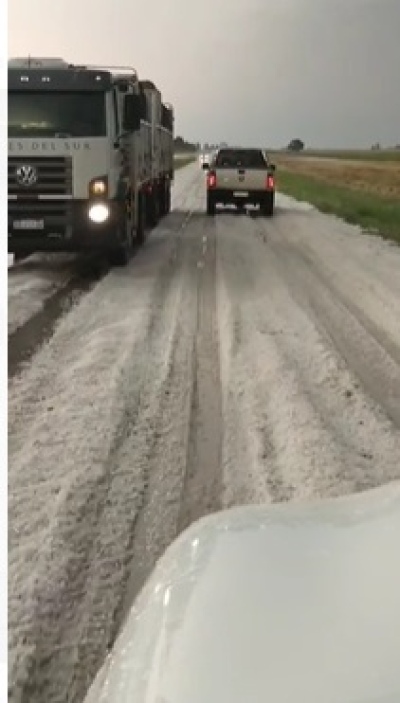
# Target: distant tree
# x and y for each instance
(181, 145)
(296, 145)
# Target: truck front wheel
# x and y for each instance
(141, 220)
(153, 208)
(165, 199)
(168, 199)
(121, 254)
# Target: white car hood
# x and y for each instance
(291, 603)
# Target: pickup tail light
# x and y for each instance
(211, 179)
(270, 182)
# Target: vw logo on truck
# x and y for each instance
(26, 175)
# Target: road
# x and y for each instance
(236, 359)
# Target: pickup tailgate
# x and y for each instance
(241, 179)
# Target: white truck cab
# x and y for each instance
(81, 155)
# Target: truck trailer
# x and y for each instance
(90, 158)
(161, 118)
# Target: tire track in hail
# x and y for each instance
(371, 356)
(203, 480)
(38, 329)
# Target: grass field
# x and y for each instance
(361, 191)
(376, 177)
(181, 160)
(348, 155)
(372, 212)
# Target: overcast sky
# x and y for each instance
(243, 71)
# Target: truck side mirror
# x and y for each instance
(132, 113)
(272, 167)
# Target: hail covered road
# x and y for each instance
(236, 359)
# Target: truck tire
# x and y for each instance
(119, 257)
(153, 208)
(211, 208)
(165, 199)
(141, 222)
(168, 199)
(121, 254)
(267, 205)
(161, 200)
(22, 254)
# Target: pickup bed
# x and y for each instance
(241, 177)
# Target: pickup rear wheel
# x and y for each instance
(211, 208)
(267, 205)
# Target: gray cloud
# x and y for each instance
(245, 71)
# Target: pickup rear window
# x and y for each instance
(240, 158)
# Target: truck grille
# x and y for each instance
(53, 175)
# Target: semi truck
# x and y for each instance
(90, 158)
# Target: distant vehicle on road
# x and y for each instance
(204, 160)
(241, 177)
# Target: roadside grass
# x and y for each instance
(381, 178)
(181, 160)
(372, 212)
(347, 155)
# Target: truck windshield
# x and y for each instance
(47, 114)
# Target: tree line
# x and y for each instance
(181, 145)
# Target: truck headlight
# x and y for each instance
(99, 213)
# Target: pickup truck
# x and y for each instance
(240, 177)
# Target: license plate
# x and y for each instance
(240, 194)
(28, 224)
